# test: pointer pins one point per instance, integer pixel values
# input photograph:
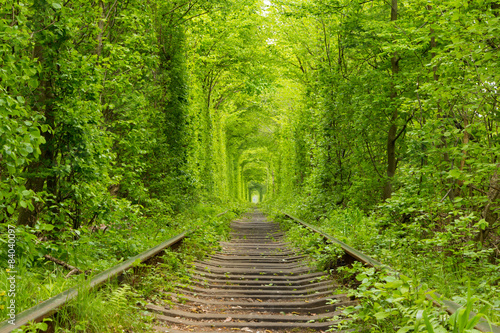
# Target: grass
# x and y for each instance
(445, 263)
(90, 311)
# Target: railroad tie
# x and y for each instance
(257, 283)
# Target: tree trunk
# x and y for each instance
(391, 159)
(42, 103)
(465, 141)
(100, 34)
(444, 144)
(391, 136)
(489, 213)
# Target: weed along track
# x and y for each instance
(257, 283)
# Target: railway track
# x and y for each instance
(257, 283)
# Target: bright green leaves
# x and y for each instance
(444, 94)
(10, 209)
(20, 136)
(393, 302)
(228, 58)
(334, 140)
(464, 320)
(481, 225)
(56, 5)
(16, 196)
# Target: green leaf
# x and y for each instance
(428, 323)
(382, 315)
(455, 173)
(482, 224)
(42, 326)
(46, 226)
(33, 83)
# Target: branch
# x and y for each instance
(46, 27)
(327, 47)
(446, 195)
(173, 10)
(300, 64)
(373, 162)
(192, 17)
(403, 129)
(73, 269)
(218, 215)
(73, 272)
(477, 189)
(110, 9)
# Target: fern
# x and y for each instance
(119, 297)
(419, 320)
(406, 311)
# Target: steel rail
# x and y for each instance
(449, 306)
(50, 306)
(220, 214)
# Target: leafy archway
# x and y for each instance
(256, 189)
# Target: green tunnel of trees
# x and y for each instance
(110, 110)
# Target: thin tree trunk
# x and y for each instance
(391, 158)
(489, 213)
(391, 136)
(42, 102)
(446, 156)
(100, 34)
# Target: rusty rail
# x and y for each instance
(449, 306)
(220, 214)
(50, 306)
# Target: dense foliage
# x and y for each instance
(376, 119)
(389, 139)
(114, 118)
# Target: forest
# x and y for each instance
(124, 122)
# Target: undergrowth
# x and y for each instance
(117, 306)
(444, 261)
(391, 302)
(325, 256)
